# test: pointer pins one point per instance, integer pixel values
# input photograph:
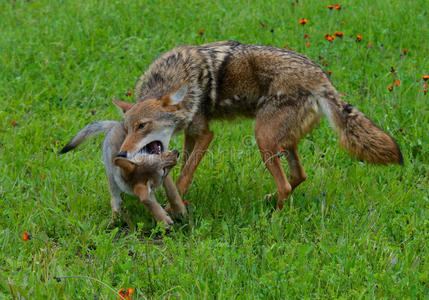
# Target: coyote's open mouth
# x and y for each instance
(154, 147)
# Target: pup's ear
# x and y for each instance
(126, 165)
(142, 191)
(176, 97)
(122, 105)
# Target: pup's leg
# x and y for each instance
(115, 201)
(158, 213)
(203, 137)
(175, 206)
(297, 173)
(267, 138)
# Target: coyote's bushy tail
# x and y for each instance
(358, 134)
(87, 132)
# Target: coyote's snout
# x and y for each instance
(187, 87)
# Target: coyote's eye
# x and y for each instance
(141, 125)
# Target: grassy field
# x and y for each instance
(352, 230)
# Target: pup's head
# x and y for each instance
(147, 172)
(151, 123)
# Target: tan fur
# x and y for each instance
(285, 91)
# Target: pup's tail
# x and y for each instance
(87, 132)
(357, 133)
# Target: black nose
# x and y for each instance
(122, 154)
(177, 152)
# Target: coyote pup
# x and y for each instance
(139, 176)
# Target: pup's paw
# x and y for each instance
(176, 210)
(116, 221)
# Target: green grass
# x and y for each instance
(352, 230)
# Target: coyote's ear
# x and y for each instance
(126, 165)
(177, 96)
(122, 105)
(142, 191)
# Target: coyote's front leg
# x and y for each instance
(200, 143)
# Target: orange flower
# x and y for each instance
(369, 45)
(343, 23)
(329, 73)
(303, 21)
(14, 123)
(125, 293)
(330, 6)
(201, 32)
(397, 82)
(425, 77)
(26, 237)
(339, 34)
(405, 51)
(326, 35)
(390, 87)
(308, 45)
(294, 3)
(262, 24)
(43, 176)
(331, 38)
(425, 91)
(305, 35)
(285, 45)
(337, 7)
(291, 49)
(358, 38)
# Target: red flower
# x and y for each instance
(330, 38)
(305, 35)
(425, 91)
(128, 93)
(405, 51)
(26, 237)
(330, 6)
(397, 82)
(185, 202)
(201, 32)
(358, 38)
(329, 73)
(43, 176)
(337, 7)
(303, 21)
(425, 77)
(14, 123)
